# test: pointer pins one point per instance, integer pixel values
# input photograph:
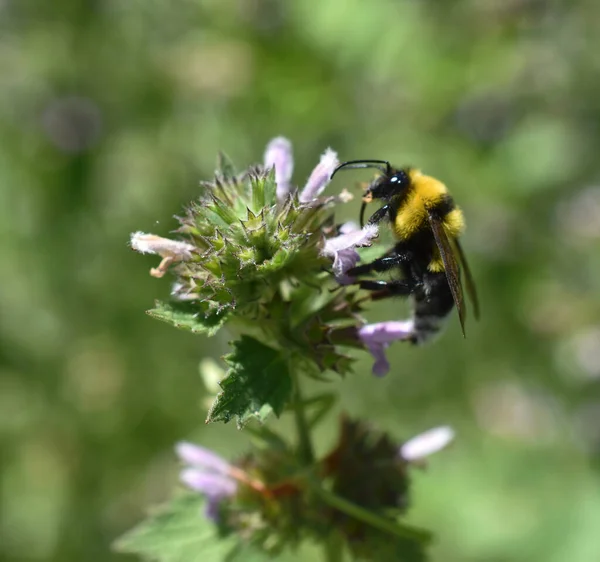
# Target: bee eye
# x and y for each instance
(399, 178)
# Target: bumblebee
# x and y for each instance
(427, 225)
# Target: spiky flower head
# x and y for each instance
(256, 251)
(247, 244)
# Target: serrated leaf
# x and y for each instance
(186, 316)
(257, 383)
(177, 532)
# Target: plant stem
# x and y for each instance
(322, 405)
(305, 447)
(334, 548)
(371, 518)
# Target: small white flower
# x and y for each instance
(170, 250)
(427, 443)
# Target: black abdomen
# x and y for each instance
(432, 303)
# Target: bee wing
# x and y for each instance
(450, 265)
(469, 283)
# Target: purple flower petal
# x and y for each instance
(345, 259)
(427, 443)
(279, 155)
(201, 458)
(381, 366)
(212, 509)
(348, 227)
(208, 474)
(377, 337)
(211, 485)
(320, 176)
(386, 332)
(342, 262)
(351, 239)
(341, 249)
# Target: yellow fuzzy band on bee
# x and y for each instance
(425, 193)
(454, 223)
(436, 265)
(413, 217)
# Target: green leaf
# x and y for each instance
(242, 552)
(376, 546)
(257, 383)
(186, 316)
(177, 532)
(225, 166)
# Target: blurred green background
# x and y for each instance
(111, 112)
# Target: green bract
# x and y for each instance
(248, 245)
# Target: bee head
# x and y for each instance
(390, 184)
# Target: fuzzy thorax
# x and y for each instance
(427, 194)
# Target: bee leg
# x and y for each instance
(381, 264)
(384, 263)
(386, 289)
(380, 214)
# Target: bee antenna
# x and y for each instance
(353, 164)
(362, 214)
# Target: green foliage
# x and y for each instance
(248, 244)
(257, 261)
(112, 111)
(377, 546)
(197, 319)
(257, 383)
(225, 167)
(178, 532)
(263, 193)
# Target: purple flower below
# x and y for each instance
(211, 485)
(207, 473)
(377, 337)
